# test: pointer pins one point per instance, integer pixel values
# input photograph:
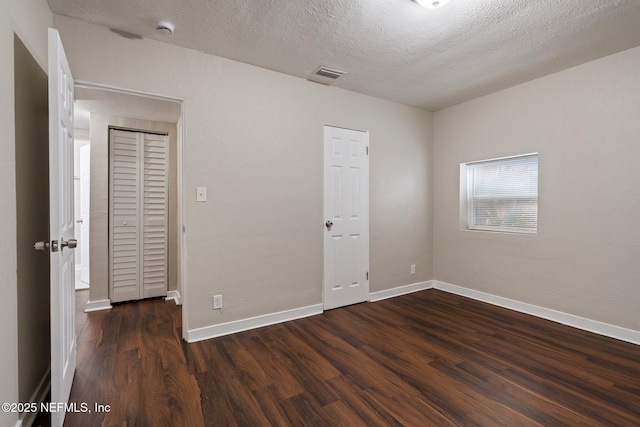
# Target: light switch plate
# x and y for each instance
(201, 194)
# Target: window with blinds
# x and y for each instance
(502, 194)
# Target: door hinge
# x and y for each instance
(367, 150)
(367, 275)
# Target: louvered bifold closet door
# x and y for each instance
(124, 247)
(155, 220)
(139, 215)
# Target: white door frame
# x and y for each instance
(359, 288)
(84, 221)
(181, 143)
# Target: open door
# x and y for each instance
(61, 228)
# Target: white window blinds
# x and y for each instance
(503, 194)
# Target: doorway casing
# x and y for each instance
(181, 296)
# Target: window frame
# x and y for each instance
(467, 215)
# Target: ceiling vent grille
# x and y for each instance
(325, 75)
(328, 72)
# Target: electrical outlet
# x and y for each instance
(217, 302)
(413, 269)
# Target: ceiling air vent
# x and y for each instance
(328, 72)
(325, 75)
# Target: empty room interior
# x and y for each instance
(363, 212)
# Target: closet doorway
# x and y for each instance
(138, 214)
(99, 109)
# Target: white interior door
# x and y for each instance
(155, 215)
(346, 212)
(85, 185)
(63, 335)
(138, 223)
(124, 218)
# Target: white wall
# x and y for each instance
(584, 122)
(254, 138)
(29, 19)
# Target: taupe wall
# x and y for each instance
(254, 138)
(29, 19)
(584, 122)
(32, 206)
(99, 232)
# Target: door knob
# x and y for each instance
(41, 246)
(328, 224)
(79, 221)
(71, 243)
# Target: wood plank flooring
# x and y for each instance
(428, 358)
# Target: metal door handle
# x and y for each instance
(79, 221)
(41, 246)
(71, 243)
(328, 224)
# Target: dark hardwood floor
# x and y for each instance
(428, 358)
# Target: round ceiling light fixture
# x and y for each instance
(432, 4)
(165, 28)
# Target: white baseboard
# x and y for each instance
(585, 324)
(213, 331)
(400, 290)
(175, 296)
(101, 304)
(39, 395)
(582, 323)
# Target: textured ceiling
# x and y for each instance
(391, 49)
